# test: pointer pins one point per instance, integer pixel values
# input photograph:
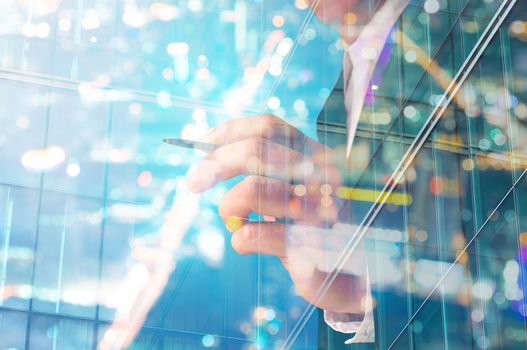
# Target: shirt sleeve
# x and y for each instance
(363, 330)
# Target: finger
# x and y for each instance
(271, 197)
(272, 239)
(260, 238)
(249, 156)
(256, 194)
(281, 240)
(267, 126)
(259, 156)
(345, 294)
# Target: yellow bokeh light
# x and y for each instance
(43, 159)
(350, 18)
(278, 21)
(301, 4)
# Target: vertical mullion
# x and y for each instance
(104, 209)
(61, 260)
(104, 199)
(437, 174)
(39, 200)
(440, 230)
(509, 88)
(477, 328)
(6, 239)
(405, 230)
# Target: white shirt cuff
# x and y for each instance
(364, 331)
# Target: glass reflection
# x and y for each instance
(102, 245)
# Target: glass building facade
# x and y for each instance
(103, 247)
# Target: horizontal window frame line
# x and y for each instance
(462, 75)
(105, 322)
(134, 95)
(88, 197)
(441, 145)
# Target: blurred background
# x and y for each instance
(101, 246)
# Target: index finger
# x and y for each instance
(264, 125)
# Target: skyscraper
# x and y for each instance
(101, 245)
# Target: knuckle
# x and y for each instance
(257, 146)
(254, 145)
(269, 123)
(252, 185)
(269, 120)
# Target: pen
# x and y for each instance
(202, 146)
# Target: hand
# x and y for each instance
(287, 176)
